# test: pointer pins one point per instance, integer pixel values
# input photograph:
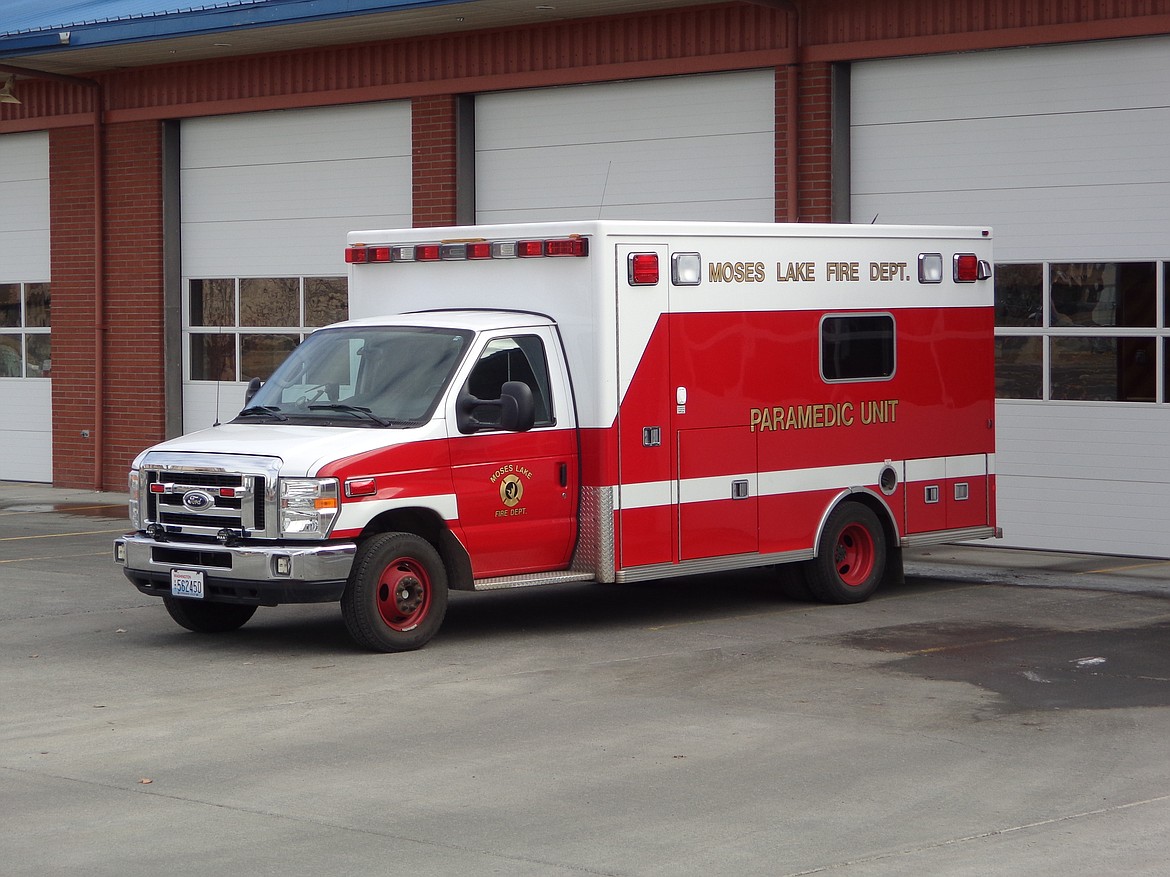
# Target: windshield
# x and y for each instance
(362, 376)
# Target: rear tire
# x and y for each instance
(396, 596)
(793, 583)
(208, 617)
(851, 556)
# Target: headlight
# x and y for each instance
(308, 507)
(132, 509)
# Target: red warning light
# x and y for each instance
(643, 269)
(966, 268)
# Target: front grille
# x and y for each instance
(167, 490)
(184, 520)
(205, 479)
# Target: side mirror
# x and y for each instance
(253, 388)
(514, 411)
(517, 407)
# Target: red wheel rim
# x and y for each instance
(404, 594)
(853, 556)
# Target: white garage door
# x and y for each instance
(1063, 151)
(689, 147)
(26, 397)
(267, 199)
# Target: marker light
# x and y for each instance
(568, 247)
(427, 252)
(529, 249)
(356, 255)
(361, 487)
(643, 269)
(930, 267)
(479, 250)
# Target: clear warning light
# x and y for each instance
(686, 269)
(930, 268)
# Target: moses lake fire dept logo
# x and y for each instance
(511, 490)
(197, 500)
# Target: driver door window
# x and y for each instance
(519, 358)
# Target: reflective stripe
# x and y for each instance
(651, 494)
(356, 514)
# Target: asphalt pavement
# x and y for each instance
(998, 712)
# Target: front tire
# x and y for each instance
(208, 617)
(396, 596)
(851, 556)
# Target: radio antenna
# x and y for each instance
(604, 189)
(218, 382)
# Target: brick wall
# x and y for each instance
(433, 156)
(132, 410)
(816, 143)
(71, 209)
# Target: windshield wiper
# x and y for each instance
(358, 410)
(262, 411)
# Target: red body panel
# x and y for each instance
(515, 514)
(757, 411)
(720, 524)
(517, 496)
(938, 404)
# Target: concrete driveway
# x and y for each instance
(708, 726)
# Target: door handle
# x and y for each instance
(563, 474)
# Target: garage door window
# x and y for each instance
(243, 328)
(1081, 331)
(24, 330)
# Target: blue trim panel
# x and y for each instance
(127, 23)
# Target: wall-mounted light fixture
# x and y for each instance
(6, 95)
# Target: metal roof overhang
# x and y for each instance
(97, 35)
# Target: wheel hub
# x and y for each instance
(854, 555)
(408, 594)
(403, 595)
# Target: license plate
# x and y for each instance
(187, 583)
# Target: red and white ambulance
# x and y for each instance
(601, 401)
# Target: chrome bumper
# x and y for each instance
(260, 574)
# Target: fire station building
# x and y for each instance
(176, 182)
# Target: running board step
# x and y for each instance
(531, 580)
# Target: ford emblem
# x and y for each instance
(197, 500)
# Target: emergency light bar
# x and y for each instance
(461, 251)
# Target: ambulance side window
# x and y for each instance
(517, 358)
(857, 347)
